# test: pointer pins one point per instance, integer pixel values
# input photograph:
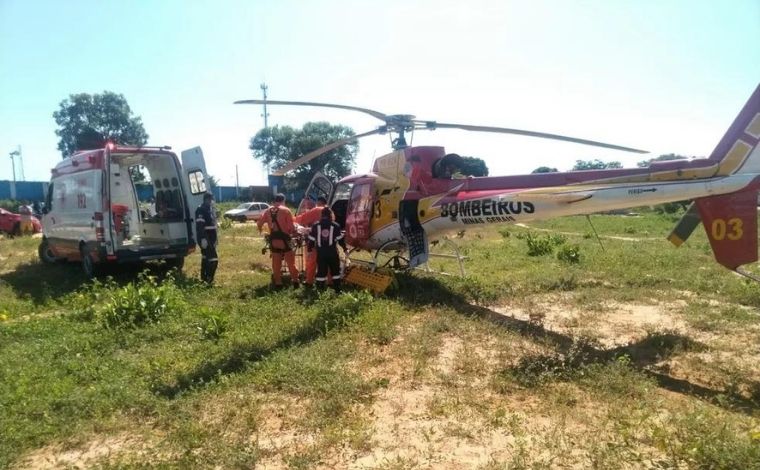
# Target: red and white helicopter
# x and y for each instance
(410, 195)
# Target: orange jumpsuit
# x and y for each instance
(307, 219)
(284, 222)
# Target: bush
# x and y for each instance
(539, 246)
(211, 325)
(139, 303)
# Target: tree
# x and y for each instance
(544, 169)
(473, 166)
(279, 145)
(595, 165)
(87, 121)
(661, 158)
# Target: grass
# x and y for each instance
(162, 371)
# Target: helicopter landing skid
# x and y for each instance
(454, 255)
(390, 256)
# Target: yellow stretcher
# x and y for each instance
(363, 277)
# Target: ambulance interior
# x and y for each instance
(143, 224)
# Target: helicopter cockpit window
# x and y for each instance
(343, 191)
(340, 202)
(448, 166)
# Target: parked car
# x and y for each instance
(11, 223)
(92, 214)
(247, 211)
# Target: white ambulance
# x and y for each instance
(93, 214)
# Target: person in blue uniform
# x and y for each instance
(325, 236)
(205, 229)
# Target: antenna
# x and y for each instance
(21, 163)
(264, 89)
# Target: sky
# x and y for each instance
(666, 76)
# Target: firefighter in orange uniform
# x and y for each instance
(279, 219)
(308, 219)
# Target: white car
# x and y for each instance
(247, 211)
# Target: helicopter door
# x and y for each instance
(320, 185)
(359, 212)
(413, 233)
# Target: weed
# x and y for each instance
(536, 370)
(538, 246)
(543, 245)
(211, 325)
(570, 254)
(139, 303)
(379, 324)
(225, 223)
(702, 438)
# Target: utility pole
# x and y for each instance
(237, 183)
(264, 89)
(21, 163)
(13, 170)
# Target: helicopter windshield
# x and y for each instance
(343, 191)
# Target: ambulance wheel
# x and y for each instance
(90, 268)
(45, 253)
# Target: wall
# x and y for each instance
(25, 190)
(37, 190)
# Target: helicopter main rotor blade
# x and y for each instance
(371, 112)
(432, 125)
(315, 153)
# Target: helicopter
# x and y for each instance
(412, 195)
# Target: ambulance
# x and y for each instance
(93, 214)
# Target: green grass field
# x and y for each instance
(630, 355)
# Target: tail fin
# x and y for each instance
(737, 151)
(730, 221)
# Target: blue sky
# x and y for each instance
(667, 76)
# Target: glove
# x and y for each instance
(204, 243)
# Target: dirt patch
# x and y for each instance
(86, 455)
(616, 325)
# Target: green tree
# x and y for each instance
(595, 165)
(87, 121)
(661, 158)
(279, 145)
(473, 166)
(544, 169)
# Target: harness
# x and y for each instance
(278, 234)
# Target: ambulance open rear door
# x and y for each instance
(194, 181)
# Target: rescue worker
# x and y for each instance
(308, 219)
(25, 219)
(279, 219)
(205, 229)
(325, 236)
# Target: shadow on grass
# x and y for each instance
(44, 282)
(573, 354)
(246, 355)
